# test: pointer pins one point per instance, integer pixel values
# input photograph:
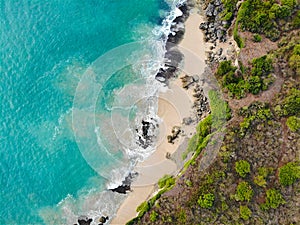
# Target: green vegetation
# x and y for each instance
(293, 123)
(239, 41)
(253, 81)
(273, 200)
(259, 113)
(291, 104)
(153, 216)
(166, 181)
(206, 201)
(182, 217)
(188, 183)
(225, 68)
(257, 38)
(242, 167)
(200, 138)
(261, 66)
(260, 181)
(245, 212)
(289, 173)
(244, 192)
(294, 60)
(263, 16)
(229, 8)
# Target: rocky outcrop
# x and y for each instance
(214, 29)
(103, 220)
(187, 81)
(125, 186)
(83, 220)
(175, 132)
(201, 104)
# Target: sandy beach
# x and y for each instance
(174, 105)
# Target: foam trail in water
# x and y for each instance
(95, 204)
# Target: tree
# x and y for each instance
(289, 173)
(244, 192)
(293, 123)
(242, 167)
(153, 216)
(273, 200)
(245, 212)
(206, 200)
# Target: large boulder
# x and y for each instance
(83, 220)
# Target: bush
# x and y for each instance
(244, 192)
(229, 8)
(291, 104)
(257, 38)
(260, 181)
(225, 67)
(273, 200)
(182, 217)
(289, 3)
(261, 66)
(206, 200)
(166, 181)
(289, 173)
(293, 123)
(245, 212)
(153, 216)
(255, 84)
(294, 60)
(242, 167)
(203, 130)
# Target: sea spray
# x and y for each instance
(95, 204)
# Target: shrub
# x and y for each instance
(203, 130)
(257, 38)
(289, 173)
(260, 181)
(239, 41)
(166, 181)
(245, 212)
(188, 183)
(291, 104)
(289, 3)
(153, 216)
(264, 172)
(294, 63)
(206, 200)
(182, 217)
(242, 167)
(261, 66)
(293, 123)
(294, 60)
(244, 192)
(225, 67)
(273, 200)
(255, 84)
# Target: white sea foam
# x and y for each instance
(94, 203)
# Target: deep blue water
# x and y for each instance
(45, 48)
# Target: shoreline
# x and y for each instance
(174, 105)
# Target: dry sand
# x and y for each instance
(174, 105)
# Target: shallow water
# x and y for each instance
(46, 50)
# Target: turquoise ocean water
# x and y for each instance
(46, 47)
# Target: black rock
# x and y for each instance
(121, 189)
(83, 220)
(103, 219)
(210, 10)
